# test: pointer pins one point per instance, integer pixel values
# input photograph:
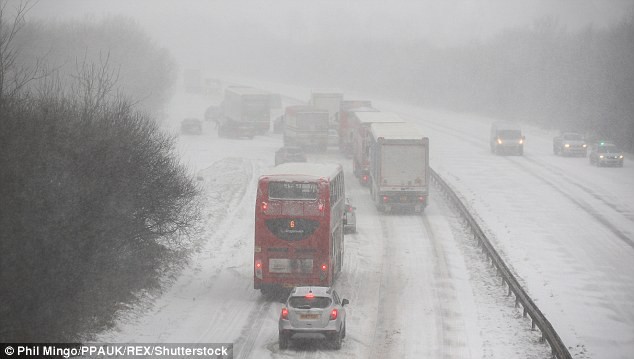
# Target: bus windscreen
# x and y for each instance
(293, 190)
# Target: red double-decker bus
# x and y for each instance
(299, 226)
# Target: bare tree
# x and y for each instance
(13, 75)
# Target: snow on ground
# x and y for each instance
(418, 287)
(564, 227)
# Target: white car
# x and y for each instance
(313, 311)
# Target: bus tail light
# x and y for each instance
(385, 199)
(285, 313)
(324, 271)
(258, 268)
(333, 314)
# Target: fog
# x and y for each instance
(196, 31)
(450, 66)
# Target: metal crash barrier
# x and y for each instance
(559, 349)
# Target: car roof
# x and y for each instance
(318, 291)
(505, 125)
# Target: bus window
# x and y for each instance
(293, 190)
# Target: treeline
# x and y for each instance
(545, 75)
(95, 205)
(144, 71)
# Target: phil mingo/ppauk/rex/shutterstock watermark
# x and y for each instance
(117, 350)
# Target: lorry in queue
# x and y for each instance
(345, 129)
(329, 100)
(306, 127)
(360, 123)
(247, 112)
(399, 167)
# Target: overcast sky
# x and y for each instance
(184, 25)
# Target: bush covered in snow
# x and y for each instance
(94, 202)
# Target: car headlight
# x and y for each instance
(567, 145)
(601, 156)
(621, 156)
(584, 145)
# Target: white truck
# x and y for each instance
(306, 126)
(399, 167)
(329, 100)
(360, 123)
(247, 112)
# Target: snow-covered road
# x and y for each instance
(419, 286)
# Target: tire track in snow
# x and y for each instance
(246, 342)
(580, 203)
(416, 287)
(458, 133)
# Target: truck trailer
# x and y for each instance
(306, 126)
(247, 112)
(399, 167)
(329, 100)
(360, 122)
(346, 129)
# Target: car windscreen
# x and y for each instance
(573, 137)
(510, 134)
(293, 190)
(608, 149)
(309, 302)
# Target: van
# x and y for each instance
(506, 138)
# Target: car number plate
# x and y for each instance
(404, 198)
(309, 316)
